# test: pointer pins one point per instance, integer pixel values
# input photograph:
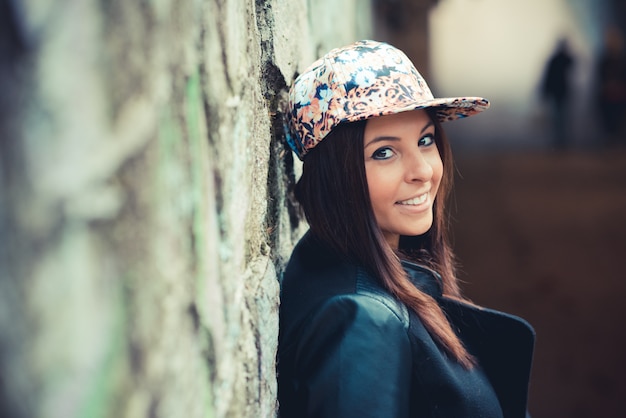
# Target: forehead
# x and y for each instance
(380, 125)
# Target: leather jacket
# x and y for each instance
(347, 348)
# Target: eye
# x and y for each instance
(426, 140)
(382, 153)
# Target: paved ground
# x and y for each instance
(543, 236)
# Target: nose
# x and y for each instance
(417, 167)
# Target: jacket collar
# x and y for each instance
(425, 279)
(314, 253)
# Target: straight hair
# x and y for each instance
(334, 196)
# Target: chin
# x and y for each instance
(416, 233)
(418, 230)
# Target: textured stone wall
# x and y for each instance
(144, 206)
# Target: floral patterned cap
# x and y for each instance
(357, 82)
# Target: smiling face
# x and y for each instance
(404, 171)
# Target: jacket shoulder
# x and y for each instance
(359, 310)
(368, 307)
(315, 276)
(367, 287)
(343, 352)
(363, 310)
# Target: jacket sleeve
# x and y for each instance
(354, 360)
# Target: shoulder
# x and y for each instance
(319, 287)
(315, 275)
(348, 344)
(346, 298)
(370, 292)
(345, 324)
(362, 308)
(486, 319)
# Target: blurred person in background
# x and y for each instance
(611, 87)
(556, 91)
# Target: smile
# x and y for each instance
(415, 201)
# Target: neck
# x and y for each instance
(393, 240)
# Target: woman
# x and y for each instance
(372, 322)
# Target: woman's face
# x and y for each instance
(404, 170)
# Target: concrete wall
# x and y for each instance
(144, 207)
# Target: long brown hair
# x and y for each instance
(334, 195)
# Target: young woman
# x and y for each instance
(372, 322)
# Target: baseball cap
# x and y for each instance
(357, 82)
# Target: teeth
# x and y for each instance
(415, 201)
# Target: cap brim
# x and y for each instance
(446, 109)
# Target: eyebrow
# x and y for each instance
(395, 138)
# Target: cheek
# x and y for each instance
(373, 184)
(437, 166)
(378, 185)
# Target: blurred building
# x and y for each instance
(405, 24)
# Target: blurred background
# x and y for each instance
(540, 199)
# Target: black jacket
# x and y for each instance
(348, 349)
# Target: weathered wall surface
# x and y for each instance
(144, 213)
